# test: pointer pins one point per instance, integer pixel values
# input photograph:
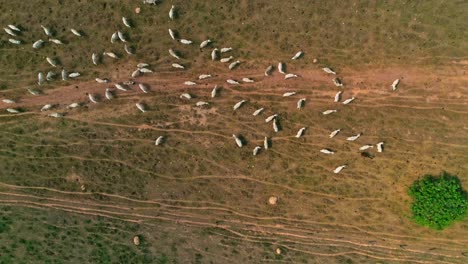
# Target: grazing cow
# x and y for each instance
(301, 103)
(159, 140)
(238, 141)
(339, 169)
(258, 111)
(327, 112)
(38, 44)
(297, 55)
(214, 92)
(300, 133)
(327, 151)
(353, 138)
(281, 68)
(395, 84)
(256, 150)
(76, 32)
(205, 43)
(228, 59)
(328, 70)
(380, 147)
(269, 70)
(347, 101)
(141, 107)
(334, 133)
(238, 105)
(338, 96)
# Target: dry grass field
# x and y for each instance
(77, 189)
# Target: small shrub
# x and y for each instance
(438, 201)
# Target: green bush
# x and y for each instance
(438, 201)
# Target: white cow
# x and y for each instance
(190, 83)
(338, 96)
(92, 98)
(395, 84)
(214, 92)
(347, 101)
(297, 55)
(338, 82)
(300, 133)
(327, 112)
(275, 125)
(64, 75)
(258, 111)
(95, 58)
(178, 66)
(238, 141)
(269, 70)
(56, 41)
(46, 107)
(47, 31)
(228, 59)
(8, 101)
(174, 54)
(287, 94)
(290, 75)
(256, 150)
(327, 151)
(121, 36)
(268, 119)
(234, 65)
(173, 34)
(185, 41)
(334, 133)
(186, 96)
(141, 107)
(102, 80)
(114, 37)
(328, 70)
(353, 138)
(365, 147)
(40, 78)
(14, 41)
(301, 103)
(233, 82)
(238, 105)
(76, 32)
(126, 22)
(204, 76)
(121, 87)
(339, 169)
(10, 32)
(172, 13)
(51, 62)
(266, 144)
(38, 44)
(214, 54)
(159, 140)
(109, 94)
(74, 74)
(281, 68)
(205, 43)
(380, 146)
(143, 87)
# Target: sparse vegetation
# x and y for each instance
(438, 201)
(198, 197)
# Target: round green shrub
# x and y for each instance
(438, 201)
